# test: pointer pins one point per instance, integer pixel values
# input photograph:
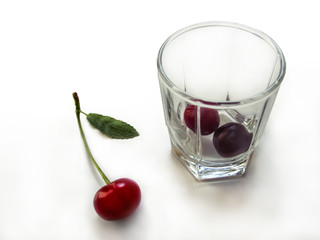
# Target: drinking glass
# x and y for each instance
(218, 82)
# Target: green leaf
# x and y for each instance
(111, 127)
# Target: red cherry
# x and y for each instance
(117, 199)
(231, 139)
(209, 119)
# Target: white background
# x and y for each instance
(106, 51)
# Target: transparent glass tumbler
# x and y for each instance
(218, 83)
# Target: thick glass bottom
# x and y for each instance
(214, 170)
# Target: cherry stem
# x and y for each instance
(78, 111)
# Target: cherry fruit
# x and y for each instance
(232, 139)
(209, 119)
(118, 199)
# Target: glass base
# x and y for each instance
(219, 170)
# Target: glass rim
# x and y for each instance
(268, 91)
